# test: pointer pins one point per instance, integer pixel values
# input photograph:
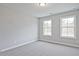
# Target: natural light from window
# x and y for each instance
(68, 27)
(47, 27)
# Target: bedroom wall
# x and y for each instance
(55, 38)
(16, 28)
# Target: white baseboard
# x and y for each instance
(5, 49)
(61, 43)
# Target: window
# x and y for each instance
(68, 27)
(47, 27)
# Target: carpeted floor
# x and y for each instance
(40, 48)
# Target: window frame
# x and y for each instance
(46, 26)
(68, 27)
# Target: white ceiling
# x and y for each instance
(37, 11)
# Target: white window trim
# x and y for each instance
(51, 28)
(74, 26)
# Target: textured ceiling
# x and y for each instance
(37, 11)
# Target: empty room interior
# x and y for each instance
(39, 29)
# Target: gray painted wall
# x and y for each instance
(55, 38)
(16, 28)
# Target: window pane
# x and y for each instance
(45, 31)
(71, 21)
(47, 27)
(64, 31)
(64, 22)
(67, 27)
(71, 32)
